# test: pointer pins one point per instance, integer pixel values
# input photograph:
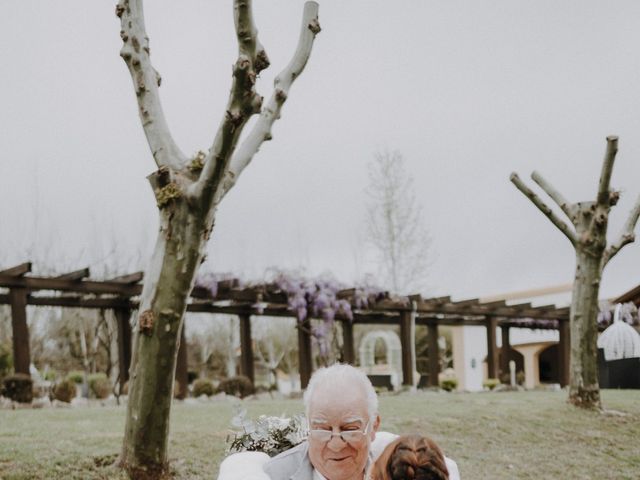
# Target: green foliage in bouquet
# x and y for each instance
(271, 435)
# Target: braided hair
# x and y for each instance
(411, 457)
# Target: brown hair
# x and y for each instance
(411, 457)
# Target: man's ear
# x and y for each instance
(376, 426)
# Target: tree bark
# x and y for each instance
(584, 390)
(188, 192)
(591, 228)
(168, 282)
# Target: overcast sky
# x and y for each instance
(468, 91)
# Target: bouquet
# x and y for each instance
(271, 435)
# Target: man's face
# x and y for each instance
(339, 409)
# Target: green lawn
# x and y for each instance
(532, 435)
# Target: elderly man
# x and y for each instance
(342, 410)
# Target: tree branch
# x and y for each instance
(243, 102)
(146, 80)
(563, 227)
(607, 168)
(627, 236)
(262, 129)
(568, 208)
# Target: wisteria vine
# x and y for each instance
(628, 314)
(318, 298)
(310, 298)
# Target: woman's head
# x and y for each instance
(411, 457)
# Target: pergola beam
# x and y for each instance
(182, 370)
(124, 344)
(373, 318)
(505, 350)
(246, 348)
(74, 276)
(21, 350)
(83, 286)
(433, 352)
(18, 270)
(305, 364)
(465, 303)
(406, 337)
(437, 300)
(134, 277)
(348, 343)
(496, 304)
(492, 347)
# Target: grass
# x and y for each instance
(529, 435)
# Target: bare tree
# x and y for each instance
(188, 191)
(395, 227)
(589, 239)
(275, 340)
(216, 346)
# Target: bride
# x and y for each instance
(410, 457)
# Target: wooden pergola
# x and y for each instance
(120, 294)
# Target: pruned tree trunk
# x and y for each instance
(167, 285)
(187, 191)
(589, 239)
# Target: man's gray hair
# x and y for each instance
(342, 374)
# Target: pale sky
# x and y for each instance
(468, 91)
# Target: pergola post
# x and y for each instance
(182, 367)
(434, 354)
(21, 350)
(124, 343)
(246, 348)
(406, 338)
(564, 352)
(348, 342)
(492, 349)
(506, 349)
(304, 353)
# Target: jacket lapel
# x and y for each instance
(305, 471)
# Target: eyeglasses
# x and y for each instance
(348, 436)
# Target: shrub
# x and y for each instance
(449, 384)
(520, 377)
(76, 376)
(18, 387)
(99, 385)
(65, 390)
(491, 383)
(239, 386)
(203, 386)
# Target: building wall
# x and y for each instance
(470, 352)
